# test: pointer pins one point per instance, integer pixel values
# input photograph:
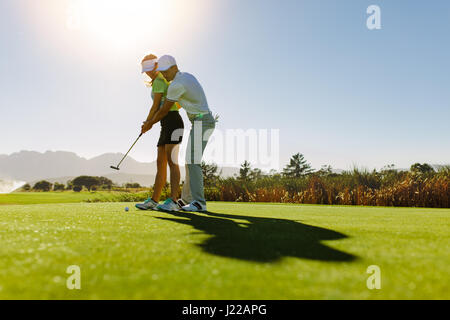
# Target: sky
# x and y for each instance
(338, 93)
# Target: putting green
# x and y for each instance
(239, 251)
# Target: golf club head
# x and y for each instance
(115, 168)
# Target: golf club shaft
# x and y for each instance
(129, 151)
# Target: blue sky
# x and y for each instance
(339, 93)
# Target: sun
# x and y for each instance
(119, 28)
(119, 22)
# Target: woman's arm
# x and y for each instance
(157, 97)
(174, 93)
(161, 113)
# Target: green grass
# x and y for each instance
(240, 251)
(52, 197)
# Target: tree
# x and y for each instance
(297, 167)
(325, 170)
(132, 185)
(26, 187)
(58, 187)
(210, 175)
(77, 188)
(105, 183)
(42, 186)
(256, 174)
(244, 171)
(422, 168)
(86, 181)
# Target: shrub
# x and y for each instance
(86, 181)
(132, 185)
(105, 183)
(42, 186)
(58, 187)
(388, 187)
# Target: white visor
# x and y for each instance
(148, 65)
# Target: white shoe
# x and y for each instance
(148, 204)
(195, 206)
(181, 203)
(168, 205)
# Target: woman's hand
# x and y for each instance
(146, 126)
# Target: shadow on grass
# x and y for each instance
(262, 239)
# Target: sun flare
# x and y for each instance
(118, 22)
(118, 29)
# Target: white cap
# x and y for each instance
(148, 65)
(165, 62)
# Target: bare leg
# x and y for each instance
(161, 173)
(172, 160)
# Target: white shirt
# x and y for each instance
(187, 91)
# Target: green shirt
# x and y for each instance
(160, 85)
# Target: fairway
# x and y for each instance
(48, 197)
(237, 251)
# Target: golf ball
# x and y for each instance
(126, 209)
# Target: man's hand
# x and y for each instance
(161, 113)
(146, 126)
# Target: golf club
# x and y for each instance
(117, 167)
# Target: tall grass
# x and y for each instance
(356, 187)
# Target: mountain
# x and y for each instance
(61, 166)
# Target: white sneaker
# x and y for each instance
(195, 206)
(181, 203)
(168, 205)
(148, 204)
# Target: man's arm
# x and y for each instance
(161, 113)
(174, 92)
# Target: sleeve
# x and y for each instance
(159, 86)
(175, 91)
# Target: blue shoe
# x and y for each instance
(148, 204)
(169, 206)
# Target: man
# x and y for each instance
(187, 91)
(167, 148)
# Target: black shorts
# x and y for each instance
(172, 127)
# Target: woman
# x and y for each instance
(169, 140)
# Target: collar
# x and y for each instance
(178, 73)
